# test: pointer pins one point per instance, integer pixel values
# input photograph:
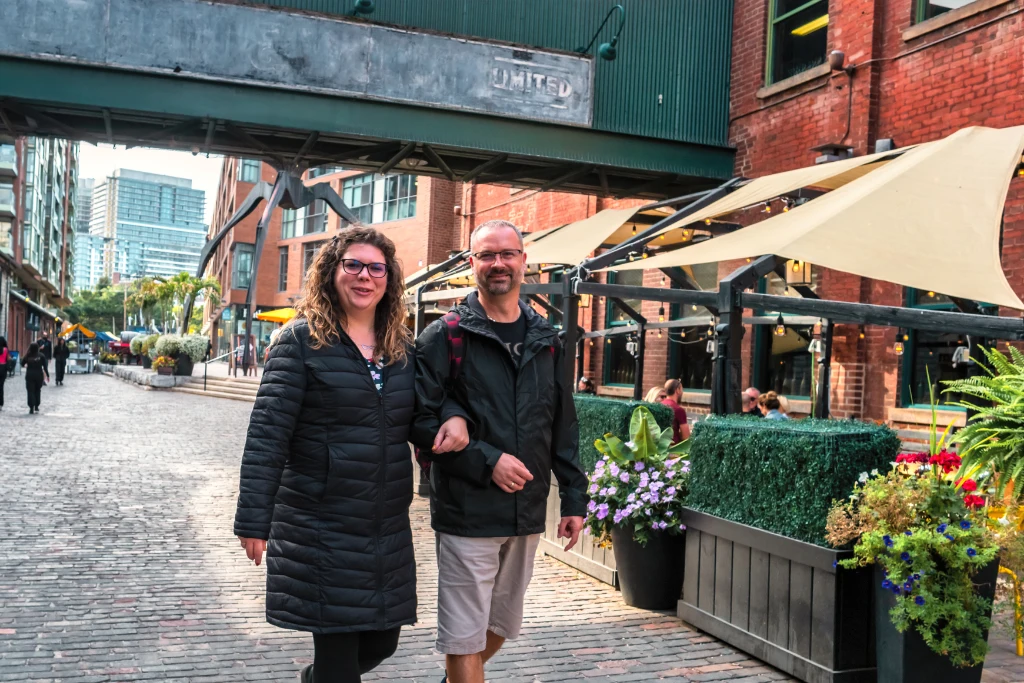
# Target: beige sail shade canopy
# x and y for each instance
(929, 219)
(574, 242)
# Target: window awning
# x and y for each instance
(929, 219)
(34, 306)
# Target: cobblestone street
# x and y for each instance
(117, 563)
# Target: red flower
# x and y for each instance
(912, 458)
(946, 460)
(973, 501)
(969, 485)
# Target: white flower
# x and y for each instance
(874, 473)
(863, 478)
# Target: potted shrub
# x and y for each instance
(149, 350)
(637, 492)
(192, 350)
(164, 365)
(135, 346)
(935, 558)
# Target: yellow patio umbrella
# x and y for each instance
(89, 334)
(278, 315)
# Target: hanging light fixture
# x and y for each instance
(659, 334)
(900, 338)
(634, 228)
(661, 314)
(780, 327)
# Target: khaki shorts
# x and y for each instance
(481, 583)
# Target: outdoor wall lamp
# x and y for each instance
(363, 7)
(607, 51)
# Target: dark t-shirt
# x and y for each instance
(512, 335)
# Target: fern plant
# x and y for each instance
(993, 439)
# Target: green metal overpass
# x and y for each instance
(463, 89)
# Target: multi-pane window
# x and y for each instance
(249, 170)
(376, 199)
(927, 9)
(929, 355)
(306, 220)
(241, 269)
(7, 194)
(309, 252)
(318, 171)
(282, 269)
(797, 37)
(619, 363)
(689, 358)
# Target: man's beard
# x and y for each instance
(499, 288)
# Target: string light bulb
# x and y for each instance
(591, 342)
(693, 306)
(661, 314)
(861, 335)
(659, 334)
(707, 221)
(898, 348)
(634, 229)
(780, 327)
(796, 266)
(645, 255)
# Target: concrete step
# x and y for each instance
(189, 389)
(247, 381)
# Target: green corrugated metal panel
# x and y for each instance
(678, 49)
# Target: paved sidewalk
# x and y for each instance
(117, 564)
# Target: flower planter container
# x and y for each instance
(587, 557)
(904, 657)
(165, 370)
(780, 600)
(651, 576)
(183, 365)
(147, 362)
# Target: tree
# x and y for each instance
(101, 308)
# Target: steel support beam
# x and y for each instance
(572, 338)
(262, 227)
(823, 399)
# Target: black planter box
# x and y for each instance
(780, 600)
(905, 657)
(650, 576)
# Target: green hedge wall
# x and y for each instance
(598, 416)
(782, 475)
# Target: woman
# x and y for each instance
(4, 357)
(60, 360)
(35, 368)
(327, 473)
(656, 395)
(770, 406)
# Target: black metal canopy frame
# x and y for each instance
(726, 305)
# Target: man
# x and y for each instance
(750, 406)
(488, 501)
(680, 429)
(46, 347)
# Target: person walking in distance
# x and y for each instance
(46, 348)
(326, 477)
(60, 360)
(34, 363)
(502, 363)
(5, 356)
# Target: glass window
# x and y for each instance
(282, 269)
(786, 362)
(309, 252)
(289, 217)
(7, 194)
(315, 219)
(241, 262)
(690, 360)
(6, 243)
(615, 315)
(619, 364)
(797, 37)
(927, 9)
(376, 199)
(249, 170)
(324, 170)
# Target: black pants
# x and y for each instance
(344, 657)
(60, 365)
(34, 387)
(3, 378)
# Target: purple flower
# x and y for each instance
(971, 552)
(670, 491)
(887, 540)
(965, 525)
(624, 477)
(908, 533)
(591, 506)
(612, 490)
(603, 492)
(655, 499)
(895, 589)
(662, 525)
(602, 510)
(647, 511)
(950, 537)
(668, 513)
(919, 600)
(631, 498)
(941, 529)
(907, 587)
(905, 557)
(655, 475)
(593, 489)
(686, 468)
(614, 469)
(639, 467)
(646, 497)
(886, 584)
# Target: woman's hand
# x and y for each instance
(452, 437)
(254, 548)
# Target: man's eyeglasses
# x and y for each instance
(355, 267)
(492, 256)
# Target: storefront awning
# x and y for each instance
(929, 219)
(34, 306)
(278, 315)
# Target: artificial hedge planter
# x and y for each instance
(598, 416)
(782, 475)
(757, 574)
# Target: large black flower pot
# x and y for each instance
(905, 657)
(183, 365)
(651, 576)
(147, 362)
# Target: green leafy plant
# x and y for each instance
(149, 346)
(993, 439)
(599, 415)
(194, 345)
(782, 475)
(168, 345)
(109, 358)
(163, 362)
(135, 345)
(641, 482)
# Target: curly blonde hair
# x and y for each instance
(320, 307)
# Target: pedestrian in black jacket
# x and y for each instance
(46, 348)
(34, 363)
(327, 478)
(488, 502)
(60, 357)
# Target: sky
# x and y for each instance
(99, 161)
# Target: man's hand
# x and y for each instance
(254, 548)
(452, 437)
(570, 527)
(510, 474)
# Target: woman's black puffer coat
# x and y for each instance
(327, 478)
